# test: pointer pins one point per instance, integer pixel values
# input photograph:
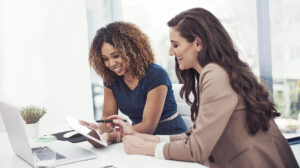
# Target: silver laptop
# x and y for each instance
(66, 153)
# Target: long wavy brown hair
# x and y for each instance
(131, 44)
(218, 48)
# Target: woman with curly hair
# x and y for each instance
(121, 54)
(232, 112)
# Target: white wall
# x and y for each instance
(44, 57)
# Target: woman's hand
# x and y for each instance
(137, 145)
(91, 126)
(95, 135)
(148, 137)
(124, 127)
(95, 132)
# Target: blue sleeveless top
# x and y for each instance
(132, 102)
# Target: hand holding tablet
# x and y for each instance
(85, 130)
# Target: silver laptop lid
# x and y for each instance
(15, 129)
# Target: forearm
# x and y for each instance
(147, 137)
(178, 137)
(149, 148)
(146, 128)
(136, 145)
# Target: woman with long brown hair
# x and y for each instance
(232, 112)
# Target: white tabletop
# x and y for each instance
(112, 155)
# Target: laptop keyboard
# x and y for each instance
(44, 152)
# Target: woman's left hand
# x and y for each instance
(137, 145)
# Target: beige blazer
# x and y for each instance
(219, 135)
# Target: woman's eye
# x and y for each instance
(175, 45)
(105, 59)
(116, 56)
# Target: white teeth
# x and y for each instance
(117, 69)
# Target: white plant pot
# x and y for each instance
(32, 130)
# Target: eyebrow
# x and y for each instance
(172, 41)
(113, 53)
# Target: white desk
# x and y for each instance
(111, 155)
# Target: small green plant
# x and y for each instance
(32, 114)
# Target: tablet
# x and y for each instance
(83, 130)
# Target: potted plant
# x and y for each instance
(31, 115)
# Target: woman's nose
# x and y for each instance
(171, 52)
(112, 62)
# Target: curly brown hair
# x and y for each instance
(218, 48)
(131, 44)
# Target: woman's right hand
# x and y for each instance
(91, 126)
(94, 133)
(125, 128)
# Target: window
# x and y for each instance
(285, 48)
(240, 20)
(238, 17)
(98, 15)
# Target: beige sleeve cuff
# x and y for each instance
(159, 151)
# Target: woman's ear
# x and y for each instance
(198, 43)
